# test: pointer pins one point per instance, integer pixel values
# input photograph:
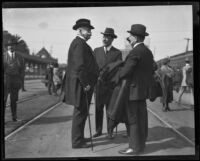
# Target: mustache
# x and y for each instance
(128, 39)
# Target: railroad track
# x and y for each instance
(51, 107)
(28, 98)
(59, 103)
(172, 128)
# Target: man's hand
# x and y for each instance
(87, 88)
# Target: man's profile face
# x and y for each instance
(86, 33)
(132, 39)
(107, 40)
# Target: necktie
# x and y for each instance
(106, 50)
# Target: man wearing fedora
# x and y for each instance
(82, 74)
(104, 55)
(137, 70)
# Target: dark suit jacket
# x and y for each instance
(103, 91)
(138, 70)
(82, 70)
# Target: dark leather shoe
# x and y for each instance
(128, 151)
(83, 145)
(16, 120)
(86, 139)
(168, 109)
(110, 136)
(97, 134)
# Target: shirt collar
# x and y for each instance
(137, 44)
(81, 37)
(108, 47)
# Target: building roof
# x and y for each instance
(37, 58)
(43, 53)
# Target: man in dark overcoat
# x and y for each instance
(81, 77)
(104, 55)
(137, 70)
(12, 86)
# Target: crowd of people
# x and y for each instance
(53, 78)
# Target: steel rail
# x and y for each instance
(32, 120)
(171, 127)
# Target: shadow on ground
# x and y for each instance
(52, 120)
(159, 138)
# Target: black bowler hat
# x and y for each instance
(82, 23)
(109, 31)
(138, 29)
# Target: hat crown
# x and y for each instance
(138, 29)
(82, 22)
(110, 31)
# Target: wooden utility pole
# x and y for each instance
(187, 45)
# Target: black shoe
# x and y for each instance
(17, 120)
(129, 151)
(168, 109)
(97, 134)
(86, 139)
(83, 145)
(110, 136)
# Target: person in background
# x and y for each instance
(187, 81)
(12, 71)
(56, 79)
(166, 74)
(177, 79)
(50, 83)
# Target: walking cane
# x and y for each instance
(89, 119)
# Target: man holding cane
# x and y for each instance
(82, 74)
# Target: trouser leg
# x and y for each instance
(137, 119)
(181, 93)
(49, 87)
(127, 129)
(13, 100)
(79, 119)
(78, 123)
(99, 117)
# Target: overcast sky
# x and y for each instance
(52, 27)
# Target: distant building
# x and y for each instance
(178, 60)
(36, 64)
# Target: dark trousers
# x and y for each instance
(99, 111)
(137, 116)
(79, 118)
(112, 124)
(50, 86)
(14, 93)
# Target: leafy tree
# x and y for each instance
(17, 43)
